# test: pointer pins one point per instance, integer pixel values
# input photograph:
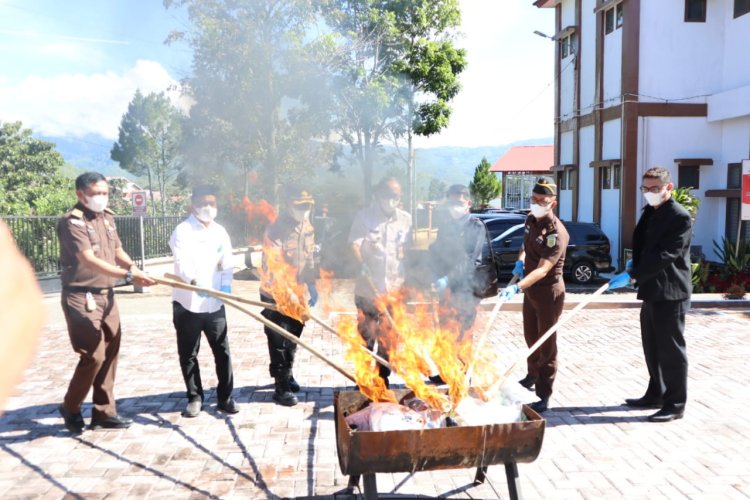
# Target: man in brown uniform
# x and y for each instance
(543, 255)
(293, 237)
(92, 259)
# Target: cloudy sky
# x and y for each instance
(69, 69)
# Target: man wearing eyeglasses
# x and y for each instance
(380, 237)
(661, 271)
(543, 256)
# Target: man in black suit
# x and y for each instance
(661, 270)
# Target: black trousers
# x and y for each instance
(662, 329)
(280, 350)
(189, 326)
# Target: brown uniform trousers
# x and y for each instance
(95, 336)
(542, 307)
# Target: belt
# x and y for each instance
(87, 289)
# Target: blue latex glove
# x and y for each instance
(202, 294)
(629, 265)
(313, 294)
(441, 284)
(619, 281)
(226, 289)
(508, 293)
(518, 270)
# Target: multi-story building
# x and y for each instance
(641, 83)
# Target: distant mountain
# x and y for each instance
(88, 153)
(452, 165)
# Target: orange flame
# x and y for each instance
(258, 216)
(325, 291)
(279, 278)
(365, 368)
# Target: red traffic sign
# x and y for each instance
(139, 202)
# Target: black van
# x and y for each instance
(587, 254)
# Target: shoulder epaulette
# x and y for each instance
(77, 213)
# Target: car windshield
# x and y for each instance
(507, 233)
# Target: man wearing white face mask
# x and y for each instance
(202, 256)
(92, 259)
(543, 256)
(293, 236)
(380, 237)
(661, 270)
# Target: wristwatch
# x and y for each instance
(129, 277)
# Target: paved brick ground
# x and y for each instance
(593, 447)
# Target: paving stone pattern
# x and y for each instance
(594, 447)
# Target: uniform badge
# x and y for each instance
(551, 240)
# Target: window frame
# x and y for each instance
(616, 176)
(691, 171)
(605, 176)
(619, 15)
(609, 21)
(688, 4)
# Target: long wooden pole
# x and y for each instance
(230, 299)
(550, 331)
(486, 331)
(176, 282)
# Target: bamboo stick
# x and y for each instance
(550, 331)
(177, 282)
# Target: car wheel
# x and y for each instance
(582, 272)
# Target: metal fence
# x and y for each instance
(142, 238)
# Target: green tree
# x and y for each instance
(436, 190)
(259, 91)
(485, 186)
(425, 31)
(149, 142)
(30, 178)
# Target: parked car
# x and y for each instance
(587, 254)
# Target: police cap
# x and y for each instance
(545, 186)
(296, 195)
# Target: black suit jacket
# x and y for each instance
(661, 253)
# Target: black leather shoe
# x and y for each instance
(285, 398)
(436, 379)
(528, 382)
(540, 406)
(644, 402)
(73, 421)
(114, 422)
(228, 406)
(293, 384)
(666, 414)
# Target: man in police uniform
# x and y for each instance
(92, 260)
(380, 236)
(543, 256)
(293, 236)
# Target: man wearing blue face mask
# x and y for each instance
(543, 257)
(202, 256)
(661, 271)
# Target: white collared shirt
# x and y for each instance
(204, 254)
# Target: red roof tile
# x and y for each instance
(525, 159)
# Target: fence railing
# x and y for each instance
(37, 239)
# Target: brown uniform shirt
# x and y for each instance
(297, 244)
(81, 229)
(545, 239)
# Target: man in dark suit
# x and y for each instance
(661, 270)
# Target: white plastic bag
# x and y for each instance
(474, 411)
(360, 421)
(394, 417)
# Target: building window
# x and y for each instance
(616, 176)
(734, 207)
(695, 11)
(609, 21)
(571, 174)
(568, 46)
(606, 176)
(689, 176)
(618, 15)
(741, 7)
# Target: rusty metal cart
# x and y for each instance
(365, 453)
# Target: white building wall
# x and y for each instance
(736, 71)
(587, 64)
(566, 147)
(586, 175)
(612, 71)
(671, 49)
(611, 140)
(566, 157)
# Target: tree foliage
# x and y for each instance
(485, 186)
(259, 91)
(150, 137)
(30, 179)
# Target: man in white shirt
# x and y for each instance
(203, 257)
